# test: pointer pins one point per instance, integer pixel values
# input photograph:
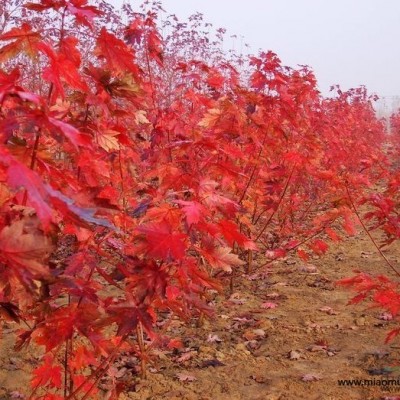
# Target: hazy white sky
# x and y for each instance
(349, 42)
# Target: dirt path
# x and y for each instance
(298, 349)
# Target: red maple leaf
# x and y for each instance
(147, 281)
(83, 13)
(127, 316)
(68, 47)
(76, 138)
(47, 374)
(20, 175)
(117, 55)
(24, 40)
(319, 246)
(82, 357)
(388, 299)
(193, 211)
(303, 255)
(134, 32)
(68, 320)
(215, 79)
(62, 69)
(230, 232)
(221, 257)
(161, 242)
(154, 45)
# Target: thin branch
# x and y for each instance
(369, 234)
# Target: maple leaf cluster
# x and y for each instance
(382, 224)
(135, 169)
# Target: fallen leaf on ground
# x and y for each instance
(309, 269)
(116, 373)
(243, 320)
(294, 355)
(328, 310)
(366, 254)
(259, 378)
(259, 333)
(17, 395)
(310, 378)
(212, 363)
(184, 377)
(213, 339)
(273, 295)
(316, 348)
(280, 284)
(259, 276)
(186, 356)
(236, 299)
(385, 316)
(269, 305)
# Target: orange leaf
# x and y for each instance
(24, 246)
(222, 258)
(25, 40)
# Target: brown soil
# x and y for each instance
(297, 350)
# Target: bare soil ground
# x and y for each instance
(251, 350)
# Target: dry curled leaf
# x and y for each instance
(310, 378)
(328, 310)
(236, 299)
(254, 334)
(186, 356)
(259, 378)
(213, 339)
(366, 254)
(273, 295)
(259, 333)
(268, 305)
(16, 395)
(294, 355)
(24, 246)
(386, 316)
(316, 348)
(309, 269)
(185, 377)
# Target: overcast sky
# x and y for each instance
(346, 42)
